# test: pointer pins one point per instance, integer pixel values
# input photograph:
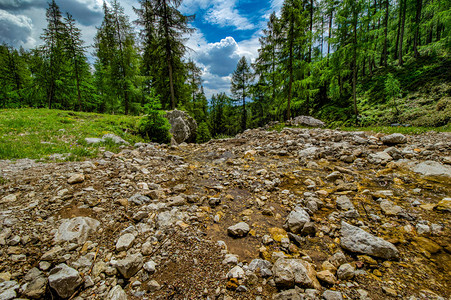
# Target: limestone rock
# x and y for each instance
(114, 138)
(9, 198)
(236, 272)
(326, 276)
(263, 267)
(238, 230)
(8, 290)
(358, 240)
(64, 280)
(345, 272)
(297, 219)
(389, 208)
(292, 294)
(394, 139)
(291, 272)
(332, 295)
(76, 178)
(117, 293)
(307, 121)
(125, 242)
(432, 168)
(76, 229)
(130, 265)
(183, 126)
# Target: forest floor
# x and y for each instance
(154, 221)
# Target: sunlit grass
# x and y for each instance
(40, 133)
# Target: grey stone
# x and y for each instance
(379, 158)
(183, 126)
(130, 265)
(139, 199)
(332, 295)
(344, 203)
(230, 259)
(235, 272)
(263, 267)
(76, 230)
(389, 208)
(238, 230)
(35, 284)
(125, 242)
(432, 168)
(345, 272)
(64, 280)
(169, 218)
(116, 139)
(296, 220)
(291, 272)
(93, 140)
(292, 294)
(76, 178)
(307, 121)
(422, 229)
(117, 293)
(150, 266)
(358, 240)
(8, 290)
(9, 198)
(394, 139)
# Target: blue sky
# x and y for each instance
(225, 29)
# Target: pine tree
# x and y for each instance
(241, 79)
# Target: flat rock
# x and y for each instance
(444, 205)
(389, 208)
(432, 168)
(117, 293)
(358, 240)
(332, 295)
(130, 265)
(116, 139)
(125, 242)
(326, 276)
(307, 121)
(8, 290)
(394, 139)
(297, 219)
(64, 280)
(292, 294)
(76, 229)
(76, 178)
(238, 230)
(9, 198)
(344, 203)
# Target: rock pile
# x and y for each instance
(300, 214)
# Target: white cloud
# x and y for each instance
(218, 60)
(15, 29)
(224, 14)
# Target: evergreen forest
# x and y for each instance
(361, 62)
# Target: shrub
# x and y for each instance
(154, 126)
(203, 134)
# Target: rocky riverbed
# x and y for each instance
(297, 214)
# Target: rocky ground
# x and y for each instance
(300, 214)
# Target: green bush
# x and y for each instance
(154, 126)
(203, 134)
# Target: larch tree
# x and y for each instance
(241, 79)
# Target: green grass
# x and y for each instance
(39, 133)
(384, 129)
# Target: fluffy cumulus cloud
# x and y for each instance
(224, 14)
(218, 60)
(15, 29)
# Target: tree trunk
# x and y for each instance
(169, 54)
(395, 55)
(384, 50)
(354, 67)
(417, 29)
(329, 36)
(401, 35)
